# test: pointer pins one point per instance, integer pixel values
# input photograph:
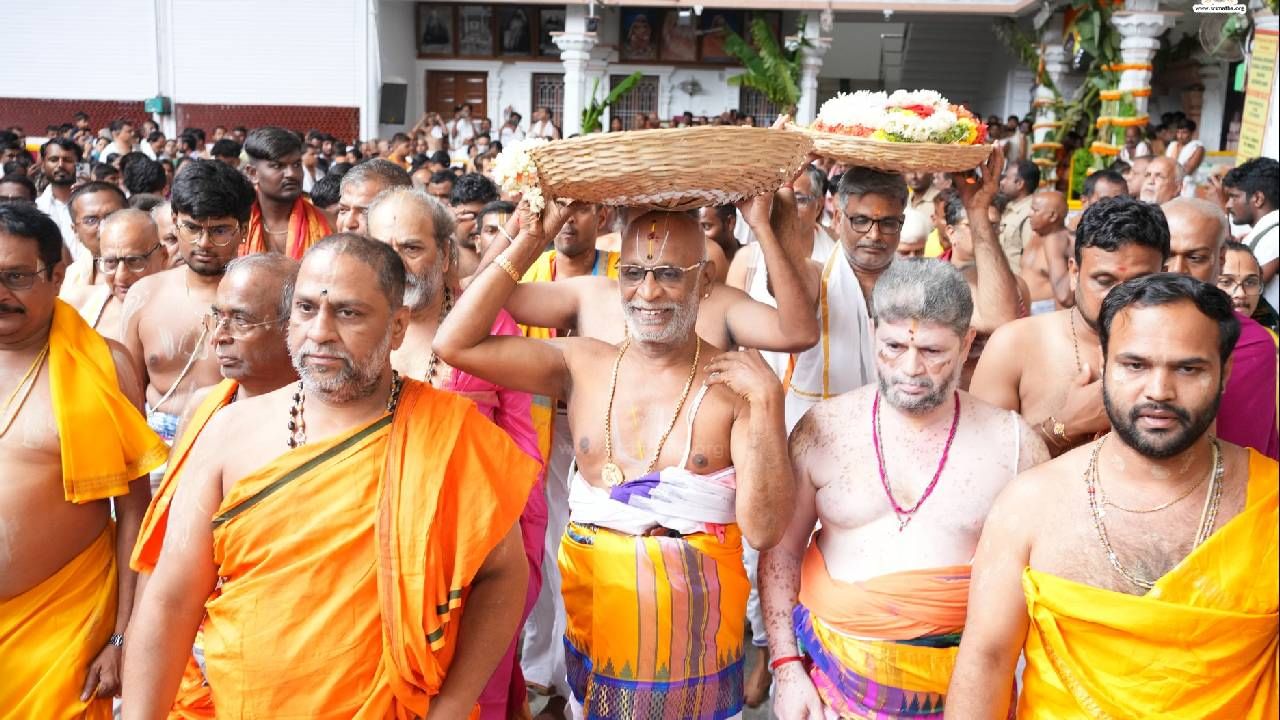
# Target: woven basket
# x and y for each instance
(896, 157)
(670, 170)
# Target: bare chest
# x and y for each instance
(1049, 369)
(643, 432)
(854, 490)
(30, 430)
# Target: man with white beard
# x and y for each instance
(878, 595)
(654, 544)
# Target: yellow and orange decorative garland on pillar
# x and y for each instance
(1115, 117)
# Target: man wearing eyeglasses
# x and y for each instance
(130, 249)
(1197, 247)
(75, 451)
(649, 518)
(248, 327)
(164, 313)
(90, 204)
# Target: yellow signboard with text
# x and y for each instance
(1257, 100)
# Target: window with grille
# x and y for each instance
(643, 98)
(548, 90)
(753, 102)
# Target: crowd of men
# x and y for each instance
(377, 441)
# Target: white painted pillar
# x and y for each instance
(1213, 75)
(810, 65)
(368, 93)
(165, 84)
(1139, 40)
(575, 45)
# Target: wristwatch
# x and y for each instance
(116, 640)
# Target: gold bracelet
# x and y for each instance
(502, 262)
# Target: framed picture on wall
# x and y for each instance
(475, 31)
(435, 29)
(679, 37)
(515, 30)
(550, 20)
(638, 39)
(714, 23)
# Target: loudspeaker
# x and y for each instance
(392, 102)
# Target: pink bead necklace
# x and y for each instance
(905, 515)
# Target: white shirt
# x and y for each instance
(61, 214)
(1142, 149)
(508, 135)
(465, 130)
(1264, 238)
(544, 129)
(112, 147)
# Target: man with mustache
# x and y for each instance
(162, 215)
(249, 317)
(164, 314)
(1046, 367)
(1198, 233)
(879, 593)
(360, 186)
(373, 518)
(90, 204)
(282, 220)
(1135, 574)
(58, 159)
(75, 452)
(872, 212)
(420, 229)
(130, 250)
(649, 518)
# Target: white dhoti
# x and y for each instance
(843, 359)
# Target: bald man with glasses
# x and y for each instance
(129, 250)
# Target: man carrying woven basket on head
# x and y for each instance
(681, 454)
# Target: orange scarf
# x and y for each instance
(106, 443)
(898, 606)
(307, 226)
(146, 552)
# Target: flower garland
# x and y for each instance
(517, 174)
(916, 116)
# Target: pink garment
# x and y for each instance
(509, 410)
(1247, 415)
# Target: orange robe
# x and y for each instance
(346, 563)
(194, 700)
(307, 226)
(1202, 643)
(50, 633)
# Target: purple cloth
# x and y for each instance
(1247, 415)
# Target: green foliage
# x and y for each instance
(594, 110)
(1100, 40)
(770, 70)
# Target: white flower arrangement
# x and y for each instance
(915, 116)
(516, 173)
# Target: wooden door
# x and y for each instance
(448, 89)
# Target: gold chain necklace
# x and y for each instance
(1075, 344)
(1208, 515)
(28, 381)
(1106, 500)
(611, 473)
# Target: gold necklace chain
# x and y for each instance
(28, 381)
(1075, 344)
(1208, 515)
(611, 473)
(1106, 499)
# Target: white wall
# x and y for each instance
(855, 50)
(398, 52)
(284, 52)
(45, 51)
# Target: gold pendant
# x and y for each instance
(612, 475)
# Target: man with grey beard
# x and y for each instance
(874, 582)
(356, 495)
(636, 497)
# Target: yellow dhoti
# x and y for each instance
(50, 633)
(1200, 644)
